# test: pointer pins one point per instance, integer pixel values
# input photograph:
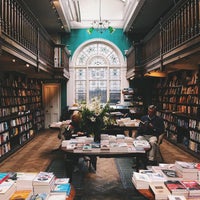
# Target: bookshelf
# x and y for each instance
(177, 99)
(21, 113)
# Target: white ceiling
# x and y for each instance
(81, 13)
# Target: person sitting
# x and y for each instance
(150, 128)
(74, 130)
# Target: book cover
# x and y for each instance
(171, 174)
(191, 185)
(62, 188)
(61, 181)
(141, 144)
(159, 189)
(87, 147)
(21, 194)
(3, 176)
(43, 178)
(175, 186)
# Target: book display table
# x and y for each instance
(107, 150)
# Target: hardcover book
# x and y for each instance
(56, 197)
(61, 181)
(141, 144)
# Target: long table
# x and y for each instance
(113, 152)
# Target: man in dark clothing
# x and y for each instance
(151, 127)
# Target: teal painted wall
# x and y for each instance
(79, 36)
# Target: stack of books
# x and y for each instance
(43, 182)
(176, 197)
(141, 145)
(176, 188)
(160, 191)
(193, 188)
(187, 170)
(7, 188)
(24, 180)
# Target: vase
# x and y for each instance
(97, 137)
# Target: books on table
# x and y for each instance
(61, 181)
(62, 189)
(170, 174)
(43, 182)
(186, 166)
(7, 188)
(176, 197)
(159, 190)
(24, 180)
(56, 197)
(141, 144)
(21, 194)
(193, 188)
(176, 188)
(187, 170)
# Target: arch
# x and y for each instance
(97, 67)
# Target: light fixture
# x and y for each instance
(159, 74)
(101, 25)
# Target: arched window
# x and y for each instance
(98, 72)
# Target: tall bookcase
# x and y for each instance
(21, 113)
(177, 98)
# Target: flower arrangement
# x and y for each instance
(95, 117)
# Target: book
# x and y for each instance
(43, 178)
(7, 188)
(140, 181)
(52, 196)
(61, 181)
(141, 144)
(186, 166)
(3, 176)
(193, 187)
(21, 194)
(62, 189)
(176, 197)
(171, 174)
(176, 188)
(87, 147)
(159, 190)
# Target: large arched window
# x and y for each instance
(97, 72)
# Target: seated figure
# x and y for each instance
(150, 128)
(67, 132)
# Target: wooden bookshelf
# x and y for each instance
(177, 99)
(21, 113)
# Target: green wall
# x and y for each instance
(79, 36)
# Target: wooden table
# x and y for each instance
(72, 194)
(112, 153)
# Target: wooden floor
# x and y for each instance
(104, 184)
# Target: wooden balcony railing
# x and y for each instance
(20, 26)
(179, 27)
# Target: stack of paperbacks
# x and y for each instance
(141, 145)
(143, 178)
(188, 170)
(43, 182)
(7, 186)
(61, 188)
(178, 184)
